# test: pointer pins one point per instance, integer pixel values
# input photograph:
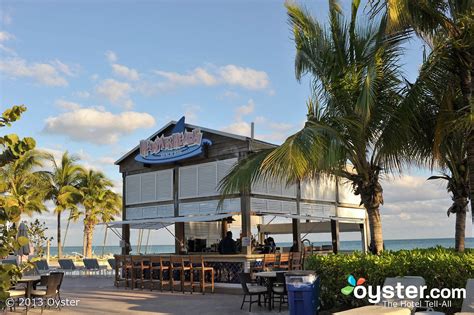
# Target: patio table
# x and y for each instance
(30, 281)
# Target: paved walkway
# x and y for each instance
(97, 295)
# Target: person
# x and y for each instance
(228, 245)
(271, 243)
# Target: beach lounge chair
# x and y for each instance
(10, 261)
(382, 309)
(468, 303)
(68, 266)
(91, 266)
(43, 266)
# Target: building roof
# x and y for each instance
(208, 130)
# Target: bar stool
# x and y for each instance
(141, 264)
(127, 270)
(157, 264)
(178, 263)
(269, 261)
(198, 267)
(283, 262)
(119, 270)
(295, 261)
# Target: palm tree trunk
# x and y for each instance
(467, 86)
(67, 229)
(84, 241)
(375, 223)
(60, 250)
(461, 226)
(89, 236)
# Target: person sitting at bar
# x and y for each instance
(228, 245)
(271, 243)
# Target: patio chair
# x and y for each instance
(468, 303)
(269, 261)
(67, 265)
(16, 294)
(91, 266)
(382, 308)
(199, 268)
(250, 289)
(52, 289)
(279, 289)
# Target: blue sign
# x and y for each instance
(181, 144)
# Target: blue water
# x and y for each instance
(345, 245)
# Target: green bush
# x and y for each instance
(440, 267)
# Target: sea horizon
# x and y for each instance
(390, 244)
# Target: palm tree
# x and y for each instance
(447, 26)
(355, 125)
(21, 189)
(437, 144)
(100, 203)
(63, 181)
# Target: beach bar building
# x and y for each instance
(172, 178)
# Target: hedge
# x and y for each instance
(440, 267)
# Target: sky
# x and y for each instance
(98, 76)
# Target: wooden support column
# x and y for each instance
(126, 227)
(245, 216)
(224, 228)
(178, 226)
(296, 222)
(335, 236)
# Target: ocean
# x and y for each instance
(345, 245)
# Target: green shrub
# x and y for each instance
(440, 267)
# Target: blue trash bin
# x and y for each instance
(303, 292)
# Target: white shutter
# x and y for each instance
(165, 211)
(208, 207)
(258, 205)
(207, 179)
(191, 208)
(164, 185)
(132, 186)
(325, 188)
(259, 187)
(149, 212)
(288, 191)
(230, 205)
(134, 213)
(188, 182)
(288, 207)
(274, 188)
(147, 190)
(224, 167)
(274, 206)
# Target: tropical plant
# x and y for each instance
(438, 145)
(447, 26)
(21, 188)
(37, 236)
(100, 203)
(355, 125)
(62, 187)
(11, 148)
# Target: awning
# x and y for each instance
(315, 218)
(159, 223)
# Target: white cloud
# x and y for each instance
(191, 112)
(240, 128)
(245, 109)
(4, 36)
(198, 76)
(116, 92)
(49, 74)
(245, 77)
(125, 72)
(231, 75)
(67, 105)
(82, 94)
(111, 56)
(96, 125)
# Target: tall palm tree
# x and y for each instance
(21, 189)
(100, 203)
(437, 144)
(63, 181)
(355, 125)
(447, 26)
